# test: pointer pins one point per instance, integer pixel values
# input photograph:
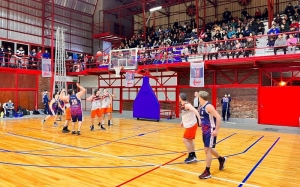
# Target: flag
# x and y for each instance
(129, 82)
(46, 68)
(197, 74)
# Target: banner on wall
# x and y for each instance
(197, 74)
(129, 82)
(46, 68)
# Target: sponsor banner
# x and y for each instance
(197, 74)
(129, 82)
(46, 68)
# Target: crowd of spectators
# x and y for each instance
(232, 36)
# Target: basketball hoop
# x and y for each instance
(118, 70)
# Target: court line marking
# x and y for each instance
(176, 152)
(108, 155)
(257, 164)
(145, 173)
(242, 152)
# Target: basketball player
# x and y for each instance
(75, 106)
(96, 108)
(189, 121)
(61, 108)
(67, 112)
(226, 107)
(53, 106)
(210, 122)
(106, 106)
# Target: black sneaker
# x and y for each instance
(102, 128)
(222, 164)
(205, 175)
(73, 132)
(78, 133)
(99, 124)
(108, 123)
(190, 159)
(65, 130)
(92, 127)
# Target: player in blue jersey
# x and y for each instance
(210, 123)
(53, 107)
(75, 106)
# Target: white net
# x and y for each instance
(118, 70)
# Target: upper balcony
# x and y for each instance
(111, 31)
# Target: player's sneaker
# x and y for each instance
(78, 133)
(99, 124)
(65, 130)
(222, 164)
(92, 127)
(205, 175)
(102, 128)
(73, 132)
(190, 159)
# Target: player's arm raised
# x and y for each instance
(211, 109)
(63, 96)
(90, 98)
(81, 92)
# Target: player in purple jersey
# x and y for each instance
(53, 107)
(75, 106)
(210, 122)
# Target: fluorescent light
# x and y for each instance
(155, 8)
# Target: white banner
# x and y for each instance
(197, 74)
(46, 68)
(129, 82)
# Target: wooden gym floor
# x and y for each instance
(140, 153)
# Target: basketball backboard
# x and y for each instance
(123, 57)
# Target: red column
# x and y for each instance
(214, 91)
(270, 12)
(258, 95)
(43, 24)
(144, 19)
(52, 84)
(204, 14)
(197, 16)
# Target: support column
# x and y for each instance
(197, 15)
(52, 49)
(214, 91)
(144, 19)
(270, 12)
(204, 14)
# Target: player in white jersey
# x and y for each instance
(189, 121)
(96, 108)
(106, 106)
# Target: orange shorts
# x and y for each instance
(106, 110)
(190, 133)
(68, 114)
(96, 112)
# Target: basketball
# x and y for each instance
(99, 53)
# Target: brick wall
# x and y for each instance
(44, 84)
(127, 105)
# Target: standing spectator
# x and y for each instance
(257, 14)
(9, 109)
(32, 59)
(2, 56)
(227, 15)
(213, 52)
(265, 14)
(225, 101)
(289, 10)
(46, 102)
(46, 55)
(244, 13)
(291, 43)
(19, 55)
(280, 43)
(9, 54)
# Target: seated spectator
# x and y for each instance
(185, 53)
(265, 14)
(260, 27)
(213, 52)
(244, 13)
(227, 15)
(206, 50)
(222, 49)
(280, 43)
(9, 109)
(295, 25)
(237, 49)
(231, 33)
(271, 42)
(273, 30)
(287, 19)
(278, 19)
(230, 48)
(283, 29)
(249, 47)
(291, 43)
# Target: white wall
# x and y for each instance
(90, 81)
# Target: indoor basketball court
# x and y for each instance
(52, 50)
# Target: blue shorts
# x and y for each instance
(76, 117)
(209, 140)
